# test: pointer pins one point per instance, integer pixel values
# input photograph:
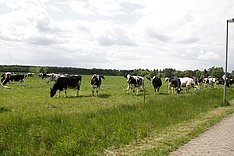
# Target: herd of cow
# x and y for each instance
(135, 83)
(175, 83)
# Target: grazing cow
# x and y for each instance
(50, 77)
(96, 82)
(198, 82)
(135, 83)
(65, 82)
(30, 75)
(188, 83)
(5, 75)
(228, 81)
(210, 82)
(13, 77)
(156, 82)
(174, 83)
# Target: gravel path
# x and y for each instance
(217, 141)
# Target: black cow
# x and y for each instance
(13, 77)
(96, 82)
(66, 82)
(174, 83)
(135, 83)
(157, 83)
(229, 82)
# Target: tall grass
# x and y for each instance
(32, 123)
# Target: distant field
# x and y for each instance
(32, 123)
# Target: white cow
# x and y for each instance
(188, 83)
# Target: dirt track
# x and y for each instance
(217, 141)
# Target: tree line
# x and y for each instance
(216, 72)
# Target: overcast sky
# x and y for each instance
(116, 34)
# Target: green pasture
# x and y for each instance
(32, 123)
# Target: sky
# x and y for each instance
(117, 34)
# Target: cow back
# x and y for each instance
(157, 82)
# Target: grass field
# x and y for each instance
(32, 123)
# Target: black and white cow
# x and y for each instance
(13, 77)
(30, 75)
(64, 82)
(5, 75)
(221, 81)
(156, 82)
(174, 83)
(96, 82)
(50, 77)
(135, 83)
(210, 82)
(229, 82)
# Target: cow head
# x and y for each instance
(179, 90)
(52, 92)
(128, 78)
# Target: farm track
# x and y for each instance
(178, 132)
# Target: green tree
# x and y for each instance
(216, 72)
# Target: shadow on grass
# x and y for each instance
(74, 96)
(104, 96)
(3, 109)
(87, 96)
(161, 93)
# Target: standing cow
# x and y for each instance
(96, 82)
(174, 83)
(12, 77)
(65, 82)
(188, 83)
(135, 83)
(156, 82)
(210, 82)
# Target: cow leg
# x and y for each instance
(158, 89)
(22, 81)
(137, 90)
(65, 93)
(97, 90)
(92, 90)
(128, 88)
(77, 92)
(169, 88)
(2, 79)
(59, 93)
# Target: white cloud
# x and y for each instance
(116, 33)
(80, 7)
(208, 56)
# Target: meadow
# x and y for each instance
(33, 123)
